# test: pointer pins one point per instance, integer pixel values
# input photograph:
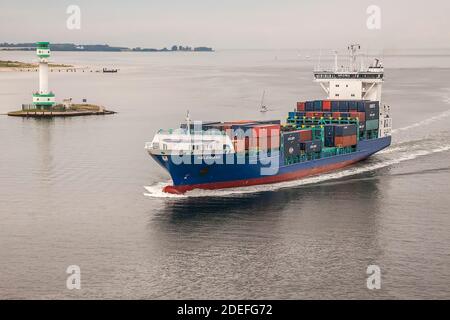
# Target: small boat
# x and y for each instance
(106, 70)
(263, 107)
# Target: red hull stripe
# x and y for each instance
(256, 181)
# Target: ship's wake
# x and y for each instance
(424, 122)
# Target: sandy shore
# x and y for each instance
(54, 69)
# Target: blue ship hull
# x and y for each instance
(199, 173)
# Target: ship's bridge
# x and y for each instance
(375, 75)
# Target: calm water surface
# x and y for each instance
(83, 191)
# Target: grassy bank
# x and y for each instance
(24, 65)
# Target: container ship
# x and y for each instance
(318, 136)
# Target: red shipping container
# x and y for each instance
(269, 142)
(300, 106)
(345, 141)
(318, 114)
(326, 105)
(266, 130)
(310, 114)
(266, 136)
(305, 135)
(336, 115)
(362, 116)
(239, 145)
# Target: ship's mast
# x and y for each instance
(188, 123)
(353, 51)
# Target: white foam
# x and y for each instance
(423, 122)
(156, 189)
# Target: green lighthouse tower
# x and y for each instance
(43, 99)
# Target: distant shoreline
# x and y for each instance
(19, 66)
(98, 48)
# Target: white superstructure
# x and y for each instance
(354, 81)
(191, 140)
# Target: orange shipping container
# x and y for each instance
(266, 136)
(266, 130)
(326, 105)
(269, 142)
(241, 145)
(305, 135)
(345, 141)
(318, 114)
(362, 116)
(336, 115)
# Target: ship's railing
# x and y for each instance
(180, 131)
(347, 69)
(354, 75)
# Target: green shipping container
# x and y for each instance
(372, 124)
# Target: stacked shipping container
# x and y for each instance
(340, 136)
(300, 141)
(366, 111)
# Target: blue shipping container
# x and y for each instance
(311, 146)
(291, 144)
(334, 106)
(361, 106)
(329, 141)
(343, 106)
(342, 130)
(352, 106)
(309, 106)
(317, 105)
(372, 110)
(328, 130)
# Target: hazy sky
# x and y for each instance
(230, 23)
